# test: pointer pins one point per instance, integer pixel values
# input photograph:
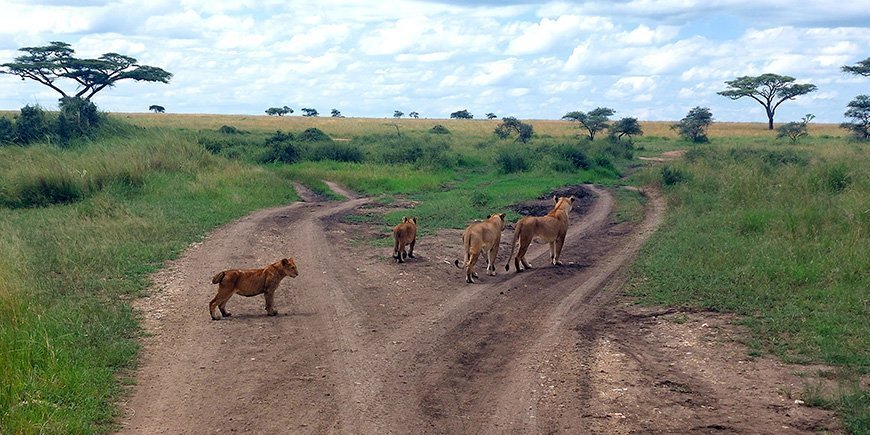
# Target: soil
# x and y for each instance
(364, 345)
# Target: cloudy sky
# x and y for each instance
(650, 59)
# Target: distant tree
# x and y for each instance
(491, 115)
(280, 111)
(796, 129)
(336, 114)
(157, 109)
(509, 125)
(414, 115)
(50, 63)
(694, 126)
(309, 112)
(769, 90)
(861, 68)
(594, 121)
(626, 127)
(859, 111)
(461, 114)
(398, 114)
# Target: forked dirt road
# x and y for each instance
(364, 345)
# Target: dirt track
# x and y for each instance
(363, 345)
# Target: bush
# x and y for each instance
(78, 118)
(314, 135)
(281, 152)
(671, 176)
(279, 137)
(49, 188)
(228, 129)
(338, 152)
(32, 125)
(439, 129)
(574, 155)
(619, 149)
(512, 160)
(694, 126)
(7, 132)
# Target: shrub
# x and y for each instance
(479, 198)
(46, 189)
(833, 178)
(671, 175)
(339, 152)
(439, 129)
(512, 160)
(619, 149)
(78, 118)
(694, 126)
(314, 135)
(574, 155)
(279, 137)
(7, 132)
(509, 125)
(31, 125)
(228, 129)
(281, 152)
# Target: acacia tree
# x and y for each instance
(50, 63)
(861, 68)
(280, 111)
(491, 115)
(461, 114)
(769, 90)
(336, 114)
(398, 114)
(594, 121)
(414, 115)
(859, 111)
(156, 109)
(626, 127)
(309, 112)
(694, 126)
(510, 124)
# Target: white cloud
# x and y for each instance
(539, 37)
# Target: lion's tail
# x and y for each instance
(456, 263)
(517, 229)
(218, 278)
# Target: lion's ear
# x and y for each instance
(488, 216)
(555, 199)
(414, 219)
(501, 215)
(405, 219)
(285, 262)
(571, 198)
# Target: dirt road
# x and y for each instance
(364, 345)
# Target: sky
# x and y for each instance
(649, 59)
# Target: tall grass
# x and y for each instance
(68, 270)
(778, 235)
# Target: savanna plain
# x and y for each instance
(713, 287)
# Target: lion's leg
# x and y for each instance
(521, 255)
(469, 271)
(400, 258)
(223, 308)
(490, 260)
(220, 300)
(411, 248)
(270, 302)
(553, 252)
(558, 255)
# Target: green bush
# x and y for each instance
(281, 152)
(335, 151)
(314, 135)
(228, 129)
(672, 175)
(77, 118)
(7, 132)
(439, 129)
(32, 125)
(512, 160)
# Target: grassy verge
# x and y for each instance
(781, 235)
(68, 271)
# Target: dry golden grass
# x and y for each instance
(346, 127)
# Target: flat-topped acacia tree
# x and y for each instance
(769, 90)
(51, 63)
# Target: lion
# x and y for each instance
(544, 229)
(481, 237)
(405, 234)
(250, 282)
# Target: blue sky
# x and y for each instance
(650, 59)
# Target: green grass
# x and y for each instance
(780, 235)
(774, 232)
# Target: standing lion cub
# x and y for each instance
(250, 282)
(405, 234)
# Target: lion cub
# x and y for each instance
(250, 282)
(481, 237)
(405, 234)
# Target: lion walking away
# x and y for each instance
(405, 234)
(551, 229)
(250, 282)
(481, 237)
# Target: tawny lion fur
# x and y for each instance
(544, 229)
(250, 282)
(481, 237)
(405, 234)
